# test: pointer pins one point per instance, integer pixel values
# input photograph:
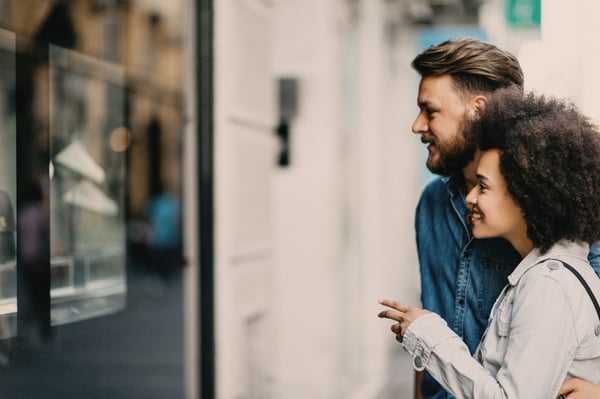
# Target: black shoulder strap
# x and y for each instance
(583, 282)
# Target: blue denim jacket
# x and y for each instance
(461, 277)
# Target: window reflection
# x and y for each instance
(8, 278)
(87, 183)
(81, 80)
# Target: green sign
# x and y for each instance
(524, 13)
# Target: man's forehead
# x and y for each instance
(437, 81)
(435, 90)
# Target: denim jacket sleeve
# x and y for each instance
(594, 257)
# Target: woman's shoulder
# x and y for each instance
(561, 285)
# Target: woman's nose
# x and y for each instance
(472, 196)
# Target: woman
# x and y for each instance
(539, 188)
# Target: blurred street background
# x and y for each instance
(206, 198)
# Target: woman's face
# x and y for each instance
(492, 211)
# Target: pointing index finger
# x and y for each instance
(394, 305)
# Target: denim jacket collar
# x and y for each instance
(455, 184)
(457, 192)
(558, 250)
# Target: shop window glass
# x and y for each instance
(87, 183)
(8, 279)
(99, 307)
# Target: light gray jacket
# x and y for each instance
(542, 329)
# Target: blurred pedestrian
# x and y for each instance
(165, 246)
(34, 270)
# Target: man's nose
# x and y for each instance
(420, 124)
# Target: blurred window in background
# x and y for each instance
(86, 300)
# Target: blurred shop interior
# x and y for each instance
(206, 198)
(91, 116)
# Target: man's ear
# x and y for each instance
(478, 103)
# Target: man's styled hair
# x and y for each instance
(550, 159)
(475, 66)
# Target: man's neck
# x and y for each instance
(470, 172)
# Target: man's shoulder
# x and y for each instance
(435, 192)
(437, 186)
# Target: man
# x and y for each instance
(460, 276)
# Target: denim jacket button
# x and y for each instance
(597, 331)
(553, 265)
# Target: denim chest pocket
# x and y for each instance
(492, 280)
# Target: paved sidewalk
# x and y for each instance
(136, 353)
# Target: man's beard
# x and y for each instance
(454, 155)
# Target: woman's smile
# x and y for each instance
(475, 216)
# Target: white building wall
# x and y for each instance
(388, 184)
(343, 209)
(571, 49)
(244, 158)
(566, 57)
(306, 210)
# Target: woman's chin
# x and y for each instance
(478, 232)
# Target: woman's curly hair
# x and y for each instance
(550, 159)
